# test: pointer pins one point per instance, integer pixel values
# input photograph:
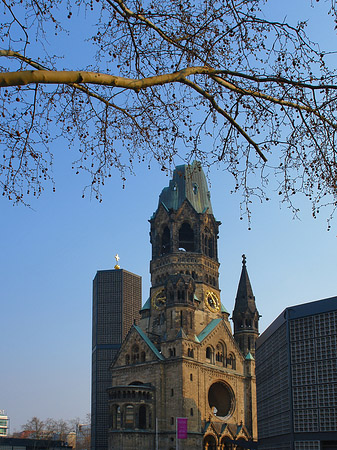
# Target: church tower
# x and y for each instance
(184, 266)
(245, 315)
(182, 361)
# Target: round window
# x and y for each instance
(221, 399)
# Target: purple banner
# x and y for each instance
(181, 428)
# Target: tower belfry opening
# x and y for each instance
(186, 238)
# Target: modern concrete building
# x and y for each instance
(117, 299)
(296, 376)
(181, 379)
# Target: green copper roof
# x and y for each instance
(188, 182)
(249, 356)
(210, 327)
(181, 334)
(223, 309)
(147, 304)
(149, 343)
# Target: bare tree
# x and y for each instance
(59, 429)
(213, 80)
(52, 429)
(36, 427)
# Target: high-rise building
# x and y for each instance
(117, 300)
(181, 379)
(4, 420)
(296, 376)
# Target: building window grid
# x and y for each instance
(303, 374)
(327, 395)
(305, 420)
(328, 419)
(302, 351)
(282, 446)
(326, 347)
(305, 397)
(274, 425)
(279, 402)
(301, 328)
(307, 445)
(327, 371)
(314, 375)
(326, 323)
(275, 343)
(274, 385)
(312, 342)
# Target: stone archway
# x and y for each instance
(225, 444)
(238, 446)
(209, 442)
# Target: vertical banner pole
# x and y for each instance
(156, 433)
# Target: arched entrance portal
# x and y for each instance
(239, 446)
(209, 442)
(226, 445)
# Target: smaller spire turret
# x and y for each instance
(245, 314)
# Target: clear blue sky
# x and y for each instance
(50, 254)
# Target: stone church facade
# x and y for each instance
(182, 360)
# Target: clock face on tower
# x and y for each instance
(212, 301)
(158, 298)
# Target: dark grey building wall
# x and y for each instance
(296, 377)
(117, 300)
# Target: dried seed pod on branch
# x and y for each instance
(173, 80)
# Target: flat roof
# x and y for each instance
(296, 312)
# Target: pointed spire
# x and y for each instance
(245, 299)
(245, 315)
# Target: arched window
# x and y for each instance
(118, 416)
(127, 359)
(220, 354)
(135, 354)
(186, 237)
(209, 442)
(142, 357)
(165, 242)
(172, 351)
(142, 417)
(231, 363)
(209, 354)
(210, 247)
(129, 416)
(181, 295)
